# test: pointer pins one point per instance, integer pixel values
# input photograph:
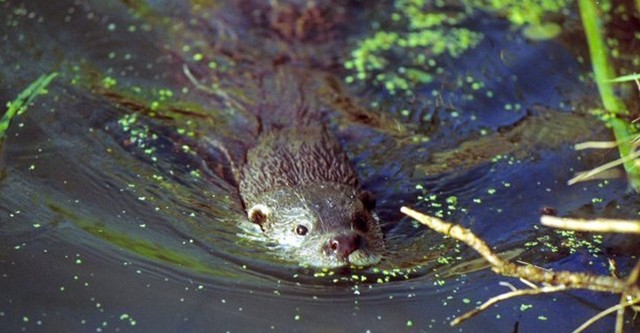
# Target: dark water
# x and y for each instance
(115, 218)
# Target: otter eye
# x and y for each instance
(360, 223)
(301, 230)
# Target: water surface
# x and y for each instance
(116, 217)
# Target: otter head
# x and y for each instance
(322, 225)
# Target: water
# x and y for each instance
(115, 217)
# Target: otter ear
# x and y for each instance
(258, 214)
(368, 199)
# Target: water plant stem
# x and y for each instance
(26, 97)
(603, 72)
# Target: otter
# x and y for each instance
(298, 186)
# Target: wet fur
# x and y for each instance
(294, 174)
(294, 157)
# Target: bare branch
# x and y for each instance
(596, 145)
(597, 225)
(531, 273)
(602, 314)
(591, 173)
(552, 281)
(505, 296)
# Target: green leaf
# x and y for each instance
(22, 102)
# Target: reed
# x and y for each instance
(604, 73)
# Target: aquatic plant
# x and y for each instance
(530, 14)
(405, 54)
(522, 12)
(24, 99)
(400, 58)
(615, 110)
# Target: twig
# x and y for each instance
(588, 174)
(187, 72)
(602, 314)
(220, 93)
(595, 145)
(505, 296)
(598, 225)
(532, 273)
(620, 314)
(554, 281)
(632, 279)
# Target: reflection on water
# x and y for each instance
(118, 217)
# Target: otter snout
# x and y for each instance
(341, 246)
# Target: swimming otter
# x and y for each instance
(293, 178)
(298, 186)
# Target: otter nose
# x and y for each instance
(343, 245)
